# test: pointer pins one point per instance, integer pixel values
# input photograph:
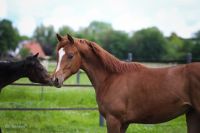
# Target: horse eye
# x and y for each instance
(70, 56)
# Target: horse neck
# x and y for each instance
(11, 72)
(96, 73)
(19, 68)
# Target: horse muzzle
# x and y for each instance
(58, 81)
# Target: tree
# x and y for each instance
(116, 42)
(148, 44)
(9, 36)
(64, 30)
(102, 33)
(196, 48)
(24, 52)
(95, 31)
(24, 37)
(174, 47)
(47, 37)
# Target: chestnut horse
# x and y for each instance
(29, 67)
(130, 92)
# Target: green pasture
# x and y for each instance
(63, 121)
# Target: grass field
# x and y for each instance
(63, 121)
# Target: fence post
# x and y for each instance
(130, 56)
(189, 58)
(78, 77)
(101, 120)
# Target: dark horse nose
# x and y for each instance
(56, 80)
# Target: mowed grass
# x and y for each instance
(63, 121)
(48, 121)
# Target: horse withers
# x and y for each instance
(29, 67)
(130, 92)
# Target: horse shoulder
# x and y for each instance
(112, 97)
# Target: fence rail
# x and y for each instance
(35, 84)
(48, 109)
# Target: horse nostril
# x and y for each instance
(56, 80)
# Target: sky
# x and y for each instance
(179, 16)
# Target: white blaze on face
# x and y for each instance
(61, 53)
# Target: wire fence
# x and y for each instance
(48, 109)
(101, 119)
(42, 85)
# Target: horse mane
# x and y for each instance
(109, 61)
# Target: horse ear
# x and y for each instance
(59, 37)
(36, 55)
(70, 39)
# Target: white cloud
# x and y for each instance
(65, 15)
(180, 16)
(38, 9)
(62, 15)
(3, 9)
(172, 20)
(27, 25)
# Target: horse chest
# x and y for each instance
(111, 106)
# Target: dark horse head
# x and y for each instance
(35, 71)
(29, 67)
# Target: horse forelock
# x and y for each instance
(110, 62)
(59, 46)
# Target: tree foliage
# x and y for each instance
(46, 36)
(116, 42)
(64, 30)
(9, 36)
(24, 52)
(196, 48)
(95, 31)
(174, 47)
(148, 44)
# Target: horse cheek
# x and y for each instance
(76, 66)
